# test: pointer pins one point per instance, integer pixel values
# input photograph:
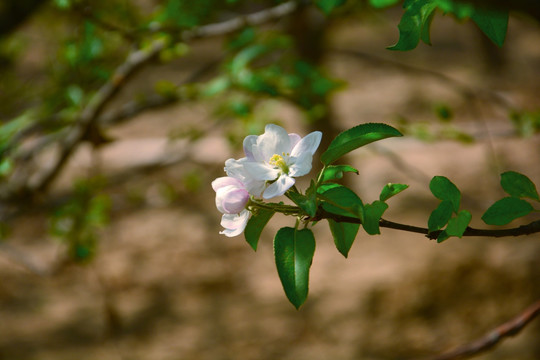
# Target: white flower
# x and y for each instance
(236, 169)
(231, 200)
(279, 157)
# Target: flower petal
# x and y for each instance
(275, 140)
(301, 165)
(235, 168)
(235, 200)
(279, 187)
(234, 224)
(249, 142)
(225, 181)
(294, 138)
(260, 171)
(309, 143)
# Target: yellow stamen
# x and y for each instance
(278, 161)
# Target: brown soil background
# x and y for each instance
(166, 285)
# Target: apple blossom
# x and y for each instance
(231, 200)
(277, 157)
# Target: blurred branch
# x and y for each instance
(153, 101)
(531, 228)
(86, 12)
(89, 117)
(22, 259)
(14, 12)
(467, 91)
(509, 328)
(90, 113)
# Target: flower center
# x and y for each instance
(278, 161)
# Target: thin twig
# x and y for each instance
(531, 228)
(135, 60)
(495, 336)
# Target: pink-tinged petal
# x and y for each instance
(236, 169)
(221, 195)
(260, 171)
(309, 143)
(249, 141)
(294, 138)
(234, 224)
(301, 165)
(279, 187)
(235, 200)
(225, 181)
(275, 140)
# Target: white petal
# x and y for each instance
(249, 141)
(234, 224)
(256, 188)
(294, 138)
(275, 140)
(301, 165)
(279, 187)
(260, 171)
(225, 181)
(309, 143)
(235, 168)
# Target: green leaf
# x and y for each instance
(506, 210)
(442, 236)
(492, 23)
(293, 251)
(444, 189)
(461, 10)
(417, 16)
(458, 225)
(325, 187)
(518, 185)
(327, 6)
(356, 137)
(341, 200)
(308, 204)
(334, 172)
(379, 4)
(372, 215)
(440, 216)
(255, 226)
(425, 33)
(344, 235)
(390, 190)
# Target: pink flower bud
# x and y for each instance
(231, 195)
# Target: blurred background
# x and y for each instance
(117, 115)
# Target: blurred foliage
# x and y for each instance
(439, 128)
(264, 65)
(65, 60)
(527, 123)
(78, 221)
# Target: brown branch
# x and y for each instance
(509, 328)
(135, 60)
(22, 259)
(531, 228)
